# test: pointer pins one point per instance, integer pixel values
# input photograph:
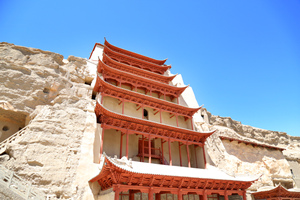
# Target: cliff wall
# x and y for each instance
(236, 157)
(53, 98)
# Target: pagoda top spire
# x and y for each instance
(129, 53)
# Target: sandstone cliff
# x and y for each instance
(54, 150)
(236, 158)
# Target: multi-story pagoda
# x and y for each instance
(149, 147)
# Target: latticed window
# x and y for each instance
(191, 197)
(213, 197)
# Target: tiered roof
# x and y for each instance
(132, 54)
(136, 62)
(278, 192)
(107, 89)
(141, 82)
(124, 123)
(131, 173)
(141, 72)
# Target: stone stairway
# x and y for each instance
(14, 187)
(5, 142)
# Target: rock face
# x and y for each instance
(238, 158)
(54, 150)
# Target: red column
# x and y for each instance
(244, 195)
(178, 100)
(127, 144)
(117, 193)
(180, 153)
(179, 195)
(149, 148)
(188, 154)
(192, 123)
(204, 195)
(170, 156)
(225, 196)
(150, 194)
(121, 145)
(143, 148)
(177, 120)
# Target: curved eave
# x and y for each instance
(190, 135)
(130, 53)
(279, 191)
(198, 181)
(150, 66)
(142, 97)
(94, 49)
(145, 73)
(102, 68)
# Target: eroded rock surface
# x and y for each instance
(54, 152)
(239, 158)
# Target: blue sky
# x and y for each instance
(242, 58)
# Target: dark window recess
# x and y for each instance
(146, 114)
(46, 90)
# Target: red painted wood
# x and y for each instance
(188, 155)
(170, 154)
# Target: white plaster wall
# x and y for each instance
(97, 53)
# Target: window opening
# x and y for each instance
(146, 116)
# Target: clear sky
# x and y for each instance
(242, 58)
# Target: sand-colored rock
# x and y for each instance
(54, 152)
(236, 158)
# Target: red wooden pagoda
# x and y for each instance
(164, 154)
(278, 193)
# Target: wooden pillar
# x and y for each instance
(101, 143)
(150, 194)
(204, 195)
(192, 123)
(179, 194)
(188, 154)
(196, 156)
(121, 145)
(162, 150)
(131, 195)
(225, 196)
(170, 155)
(117, 193)
(149, 148)
(244, 195)
(143, 148)
(179, 145)
(204, 157)
(127, 143)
